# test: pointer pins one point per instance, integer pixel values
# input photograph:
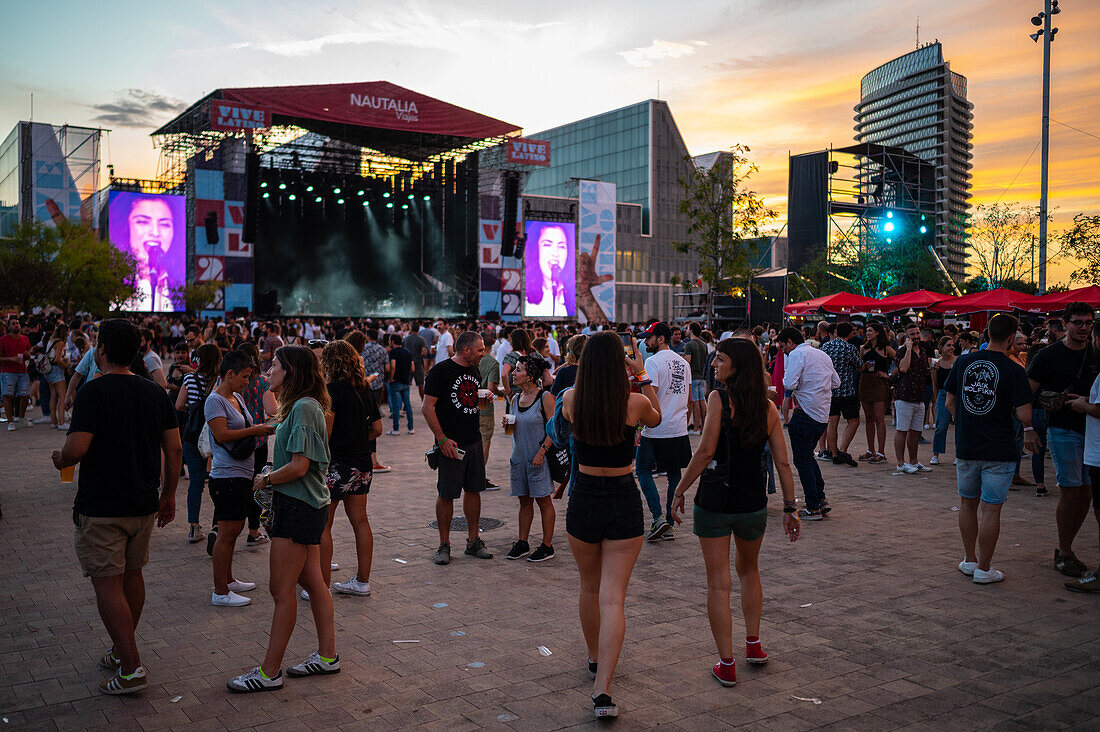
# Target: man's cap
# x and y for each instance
(658, 329)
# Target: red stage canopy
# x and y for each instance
(906, 300)
(841, 302)
(1055, 301)
(1001, 299)
(377, 104)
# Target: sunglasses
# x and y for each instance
(317, 343)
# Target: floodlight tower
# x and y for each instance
(1047, 34)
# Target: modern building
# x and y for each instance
(46, 172)
(917, 103)
(638, 148)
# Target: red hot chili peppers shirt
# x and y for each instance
(455, 389)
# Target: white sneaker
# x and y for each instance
(921, 468)
(982, 577)
(63, 427)
(935, 460)
(232, 599)
(334, 566)
(412, 432)
(353, 587)
(393, 432)
(304, 595)
(905, 469)
(30, 422)
(40, 420)
(11, 426)
(238, 586)
(315, 665)
(967, 568)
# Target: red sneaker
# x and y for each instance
(754, 653)
(726, 675)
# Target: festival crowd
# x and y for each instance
(279, 422)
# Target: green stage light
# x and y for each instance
(386, 194)
(389, 205)
(317, 200)
(404, 205)
(267, 195)
(339, 200)
(427, 198)
(888, 226)
(360, 193)
(309, 189)
(292, 197)
(336, 191)
(411, 196)
(263, 185)
(282, 186)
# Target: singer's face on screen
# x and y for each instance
(553, 249)
(151, 226)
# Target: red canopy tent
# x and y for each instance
(841, 302)
(1056, 301)
(1001, 299)
(906, 300)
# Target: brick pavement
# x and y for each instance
(892, 636)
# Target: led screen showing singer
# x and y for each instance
(150, 228)
(551, 271)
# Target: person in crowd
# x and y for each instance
(272, 341)
(528, 471)
(567, 374)
(1090, 407)
(913, 360)
(180, 367)
(489, 370)
(121, 426)
(197, 385)
(985, 390)
(443, 345)
(967, 342)
(16, 384)
(695, 353)
(451, 413)
(520, 341)
(153, 363)
(874, 389)
(55, 377)
(415, 344)
(260, 403)
(845, 401)
(232, 446)
(604, 517)
(664, 448)
(356, 422)
(299, 512)
(1018, 353)
(941, 367)
(553, 357)
(399, 369)
(808, 379)
(1068, 366)
(732, 496)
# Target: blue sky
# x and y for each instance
(780, 76)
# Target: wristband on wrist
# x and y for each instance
(440, 443)
(1029, 429)
(641, 376)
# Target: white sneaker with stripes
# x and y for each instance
(315, 665)
(255, 681)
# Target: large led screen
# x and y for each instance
(151, 229)
(551, 271)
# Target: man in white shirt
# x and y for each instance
(504, 347)
(664, 448)
(445, 346)
(809, 379)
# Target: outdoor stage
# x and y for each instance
(335, 199)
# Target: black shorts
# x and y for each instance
(604, 508)
(467, 474)
(232, 498)
(380, 396)
(1094, 481)
(345, 480)
(297, 520)
(418, 373)
(847, 407)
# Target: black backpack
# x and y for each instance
(196, 418)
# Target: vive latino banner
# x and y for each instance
(596, 252)
(231, 116)
(529, 152)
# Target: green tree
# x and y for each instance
(27, 266)
(1001, 242)
(92, 275)
(1082, 243)
(872, 271)
(724, 219)
(195, 296)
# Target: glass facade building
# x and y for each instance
(917, 103)
(640, 149)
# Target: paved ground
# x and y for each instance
(868, 623)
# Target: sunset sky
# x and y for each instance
(778, 75)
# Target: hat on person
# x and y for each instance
(658, 329)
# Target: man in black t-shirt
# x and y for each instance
(451, 411)
(399, 372)
(985, 389)
(120, 425)
(1068, 366)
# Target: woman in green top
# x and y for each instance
(299, 510)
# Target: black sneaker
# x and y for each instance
(603, 707)
(843, 458)
(1041, 492)
(1068, 564)
(824, 507)
(491, 486)
(542, 554)
(210, 539)
(476, 548)
(592, 668)
(520, 549)
(824, 455)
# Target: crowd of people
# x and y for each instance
(280, 421)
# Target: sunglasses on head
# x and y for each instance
(317, 343)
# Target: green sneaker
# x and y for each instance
(476, 548)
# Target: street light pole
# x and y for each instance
(1050, 7)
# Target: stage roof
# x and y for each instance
(373, 114)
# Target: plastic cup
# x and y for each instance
(68, 475)
(484, 398)
(509, 423)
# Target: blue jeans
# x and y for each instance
(643, 464)
(1038, 460)
(804, 433)
(196, 480)
(399, 395)
(943, 421)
